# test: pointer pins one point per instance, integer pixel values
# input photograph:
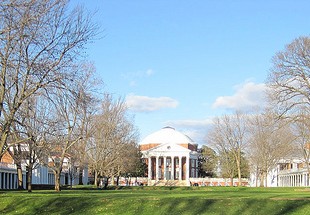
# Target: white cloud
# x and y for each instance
(149, 72)
(149, 104)
(247, 96)
(189, 123)
(133, 77)
(195, 129)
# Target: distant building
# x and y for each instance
(171, 157)
(290, 172)
(41, 175)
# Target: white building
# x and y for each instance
(290, 172)
(171, 157)
(41, 175)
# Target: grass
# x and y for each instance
(158, 200)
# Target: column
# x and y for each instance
(0, 180)
(7, 180)
(287, 181)
(180, 168)
(172, 167)
(11, 180)
(157, 167)
(15, 181)
(187, 168)
(24, 181)
(149, 173)
(292, 181)
(165, 168)
(196, 162)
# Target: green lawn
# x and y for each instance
(159, 200)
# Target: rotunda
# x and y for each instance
(171, 157)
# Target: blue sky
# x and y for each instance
(180, 63)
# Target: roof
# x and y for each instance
(167, 135)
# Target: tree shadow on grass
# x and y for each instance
(51, 205)
(186, 206)
(160, 202)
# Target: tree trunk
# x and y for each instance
(19, 176)
(117, 180)
(4, 137)
(256, 177)
(239, 177)
(239, 170)
(71, 179)
(106, 183)
(261, 180)
(57, 181)
(112, 181)
(266, 178)
(96, 178)
(231, 181)
(29, 177)
(308, 178)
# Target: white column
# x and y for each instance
(180, 168)
(196, 161)
(11, 180)
(0, 180)
(287, 182)
(15, 181)
(149, 174)
(4, 180)
(8, 181)
(187, 168)
(165, 168)
(24, 181)
(157, 167)
(172, 168)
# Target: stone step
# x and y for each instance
(169, 183)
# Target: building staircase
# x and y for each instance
(169, 183)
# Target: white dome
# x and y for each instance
(167, 135)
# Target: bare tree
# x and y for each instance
(39, 40)
(71, 107)
(228, 135)
(29, 128)
(301, 131)
(270, 140)
(114, 138)
(289, 79)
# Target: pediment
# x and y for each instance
(169, 147)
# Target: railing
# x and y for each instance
(10, 166)
(295, 170)
(7, 165)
